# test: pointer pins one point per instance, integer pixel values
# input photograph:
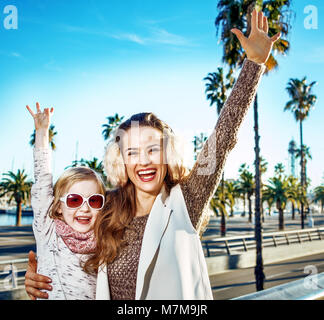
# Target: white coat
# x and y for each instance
(172, 265)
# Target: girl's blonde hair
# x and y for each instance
(120, 206)
(66, 180)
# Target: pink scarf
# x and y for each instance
(76, 241)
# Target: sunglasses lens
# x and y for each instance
(74, 201)
(96, 201)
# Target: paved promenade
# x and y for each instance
(15, 243)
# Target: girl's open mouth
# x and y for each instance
(147, 174)
(83, 219)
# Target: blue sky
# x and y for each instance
(91, 59)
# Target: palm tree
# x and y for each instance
(51, 134)
(319, 196)
(301, 103)
(237, 14)
(217, 88)
(293, 193)
(217, 203)
(18, 188)
(216, 91)
(232, 192)
(279, 170)
(94, 164)
(263, 170)
(305, 154)
(247, 184)
(198, 143)
(278, 190)
(113, 123)
(268, 198)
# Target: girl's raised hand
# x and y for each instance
(258, 45)
(42, 119)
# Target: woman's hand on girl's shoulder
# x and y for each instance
(35, 282)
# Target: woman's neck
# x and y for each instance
(144, 203)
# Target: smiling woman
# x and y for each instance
(148, 244)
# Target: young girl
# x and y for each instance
(64, 217)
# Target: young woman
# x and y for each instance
(64, 217)
(147, 236)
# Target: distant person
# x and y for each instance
(64, 217)
(148, 244)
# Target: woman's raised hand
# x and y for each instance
(42, 119)
(258, 45)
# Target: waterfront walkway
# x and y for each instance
(15, 242)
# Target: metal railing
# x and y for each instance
(217, 245)
(11, 273)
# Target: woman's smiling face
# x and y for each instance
(142, 149)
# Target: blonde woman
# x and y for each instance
(148, 243)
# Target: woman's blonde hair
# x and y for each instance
(120, 206)
(65, 182)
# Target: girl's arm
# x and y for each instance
(42, 189)
(201, 183)
(41, 199)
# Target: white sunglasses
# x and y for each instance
(75, 201)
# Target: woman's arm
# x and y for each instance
(201, 183)
(34, 282)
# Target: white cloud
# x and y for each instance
(155, 35)
(163, 36)
(129, 37)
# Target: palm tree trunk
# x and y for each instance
(18, 213)
(243, 213)
(262, 212)
(258, 271)
(292, 211)
(223, 224)
(301, 172)
(223, 220)
(232, 211)
(250, 208)
(281, 218)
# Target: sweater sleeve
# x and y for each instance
(201, 183)
(42, 190)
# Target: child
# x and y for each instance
(64, 217)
